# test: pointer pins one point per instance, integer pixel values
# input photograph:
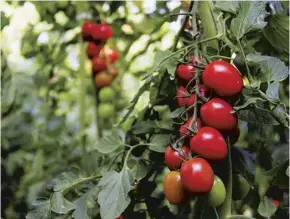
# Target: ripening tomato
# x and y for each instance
(99, 64)
(275, 202)
(102, 32)
(185, 72)
(86, 32)
(197, 175)
(106, 110)
(223, 78)
(110, 54)
(241, 187)
(173, 188)
(181, 96)
(183, 130)
(209, 143)
(173, 158)
(218, 114)
(217, 194)
(93, 49)
(233, 135)
(103, 79)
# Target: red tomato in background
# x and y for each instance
(217, 113)
(197, 176)
(174, 159)
(110, 54)
(86, 31)
(209, 143)
(99, 64)
(181, 96)
(103, 79)
(275, 202)
(185, 72)
(173, 188)
(183, 130)
(223, 78)
(93, 49)
(102, 32)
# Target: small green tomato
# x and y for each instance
(217, 194)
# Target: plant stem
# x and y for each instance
(129, 152)
(98, 129)
(218, 36)
(82, 88)
(244, 57)
(222, 57)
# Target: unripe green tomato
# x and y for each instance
(106, 94)
(106, 110)
(217, 194)
(241, 187)
(121, 104)
(117, 88)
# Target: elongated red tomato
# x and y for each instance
(197, 175)
(183, 130)
(174, 158)
(209, 143)
(181, 96)
(223, 78)
(185, 72)
(173, 188)
(218, 114)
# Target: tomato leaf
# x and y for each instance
(227, 6)
(60, 205)
(250, 18)
(113, 197)
(66, 179)
(159, 142)
(40, 209)
(273, 91)
(177, 112)
(109, 143)
(279, 112)
(266, 208)
(143, 127)
(85, 204)
(272, 68)
(248, 102)
(277, 32)
(139, 168)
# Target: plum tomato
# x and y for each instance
(217, 194)
(174, 158)
(181, 96)
(185, 72)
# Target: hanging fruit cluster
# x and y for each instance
(211, 125)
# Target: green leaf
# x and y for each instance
(248, 101)
(177, 112)
(266, 208)
(277, 32)
(143, 127)
(60, 205)
(279, 112)
(273, 91)
(257, 115)
(109, 143)
(85, 204)
(66, 179)
(272, 69)
(39, 209)
(250, 18)
(113, 197)
(159, 142)
(171, 67)
(228, 6)
(140, 168)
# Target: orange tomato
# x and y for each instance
(103, 79)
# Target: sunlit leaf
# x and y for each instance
(60, 205)
(39, 209)
(159, 142)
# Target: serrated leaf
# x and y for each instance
(113, 197)
(159, 142)
(65, 179)
(228, 6)
(143, 127)
(257, 115)
(177, 112)
(140, 168)
(250, 18)
(248, 101)
(39, 209)
(272, 68)
(60, 205)
(266, 208)
(277, 32)
(273, 91)
(85, 204)
(109, 143)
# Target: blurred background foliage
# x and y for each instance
(40, 84)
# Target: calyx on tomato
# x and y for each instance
(174, 158)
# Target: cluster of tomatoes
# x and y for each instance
(206, 133)
(102, 57)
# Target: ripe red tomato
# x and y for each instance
(87, 30)
(93, 50)
(103, 79)
(233, 134)
(185, 72)
(99, 64)
(174, 159)
(183, 130)
(197, 175)
(223, 78)
(217, 113)
(102, 32)
(173, 188)
(181, 96)
(203, 90)
(191, 100)
(209, 143)
(217, 194)
(275, 202)
(110, 54)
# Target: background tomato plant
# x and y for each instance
(64, 161)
